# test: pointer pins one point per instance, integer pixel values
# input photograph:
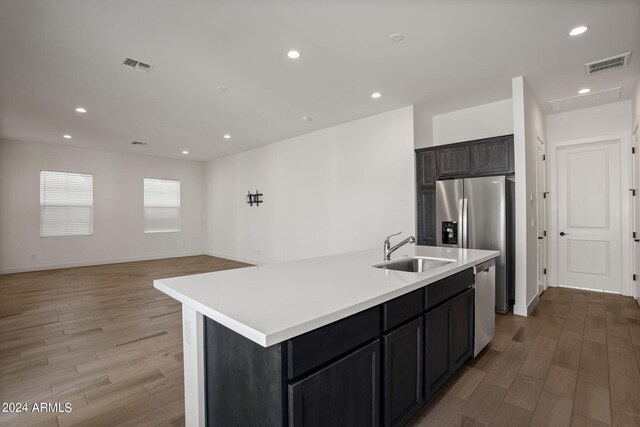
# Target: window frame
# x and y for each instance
(179, 207)
(40, 205)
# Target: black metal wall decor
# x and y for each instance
(254, 199)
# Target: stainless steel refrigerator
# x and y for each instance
(478, 213)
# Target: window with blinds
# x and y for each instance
(66, 204)
(161, 205)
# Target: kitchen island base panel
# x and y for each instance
(244, 381)
(194, 367)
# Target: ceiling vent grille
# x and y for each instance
(584, 101)
(137, 65)
(607, 64)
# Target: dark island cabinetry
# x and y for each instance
(328, 397)
(449, 340)
(376, 367)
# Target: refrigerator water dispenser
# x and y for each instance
(449, 232)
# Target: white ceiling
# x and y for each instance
(56, 55)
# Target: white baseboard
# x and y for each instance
(526, 311)
(41, 267)
(235, 258)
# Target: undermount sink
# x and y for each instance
(414, 264)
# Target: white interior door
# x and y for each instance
(541, 185)
(589, 216)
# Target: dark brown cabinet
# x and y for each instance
(453, 161)
(346, 392)
(427, 216)
(448, 340)
(402, 372)
(492, 156)
(426, 168)
(462, 311)
(437, 349)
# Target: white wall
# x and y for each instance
(582, 126)
(603, 120)
(335, 190)
(482, 121)
(118, 207)
(636, 106)
(529, 125)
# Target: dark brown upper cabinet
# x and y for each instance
(426, 168)
(453, 161)
(492, 157)
(484, 157)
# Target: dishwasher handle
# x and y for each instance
(484, 267)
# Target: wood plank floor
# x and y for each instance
(574, 362)
(103, 339)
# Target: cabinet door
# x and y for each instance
(453, 162)
(462, 308)
(492, 157)
(346, 392)
(426, 168)
(427, 217)
(438, 360)
(403, 373)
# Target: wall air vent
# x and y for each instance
(130, 62)
(137, 65)
(588, 100)
(138, 143)
(607, 64)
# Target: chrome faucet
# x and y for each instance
(388, 250)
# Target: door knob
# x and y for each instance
(562, 233)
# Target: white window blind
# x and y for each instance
(161, 205)
(66, 204)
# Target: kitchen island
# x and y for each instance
(324, 341)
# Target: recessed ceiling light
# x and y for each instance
(376, 95)
(583, 91)
(66, 136)
(185, 152)
(223, 88)
(80, 110)
(307, 118)
(293, 54)
(395, 37)
(578, 30)
(226, 136)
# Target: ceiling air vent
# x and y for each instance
(583, 101)
(607, 64)
(137, 65)
(138, 143)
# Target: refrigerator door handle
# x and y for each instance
(465, 224)
(460, 224)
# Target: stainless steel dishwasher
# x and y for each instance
(485, 303)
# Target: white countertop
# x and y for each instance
(271, 303)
